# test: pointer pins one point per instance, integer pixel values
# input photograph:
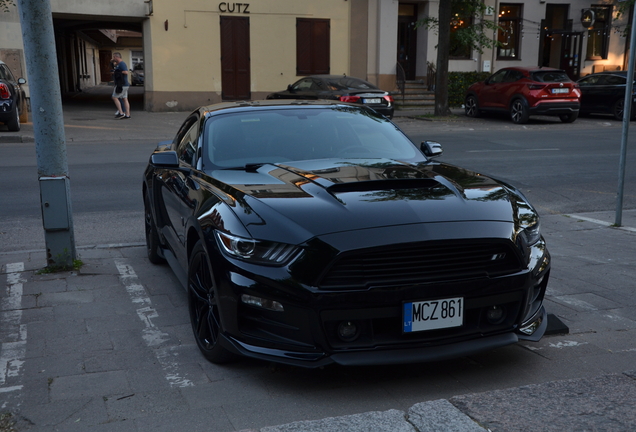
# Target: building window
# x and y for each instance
(598, 35)
(461, 18)
(312, 46)
(509, 33)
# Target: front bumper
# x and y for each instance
(305, 334)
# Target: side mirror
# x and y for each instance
(21, 81)
(165, 159)
(290, 88)
(431, 148)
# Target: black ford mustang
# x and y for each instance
(311, 233)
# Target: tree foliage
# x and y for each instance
(5, 5)
(469, 31)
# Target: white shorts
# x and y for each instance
(122, 95)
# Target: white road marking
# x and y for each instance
(601, 222)
(13, 332)
(567, 344)
(152, 335)
(513, 150)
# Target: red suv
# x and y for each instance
(525, 91)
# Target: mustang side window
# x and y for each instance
(187, 148)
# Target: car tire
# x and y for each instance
(203, 307)
(569, 118)
(14, 122)
(617, 109)
(519, 111)
(471, 105)
(24, 112)
(152, 237)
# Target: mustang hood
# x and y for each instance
(330, 196)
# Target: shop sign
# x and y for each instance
(234, 7)
(588, 18)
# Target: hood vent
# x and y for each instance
(379, 185)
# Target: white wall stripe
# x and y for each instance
(12, 331)
(152, 335)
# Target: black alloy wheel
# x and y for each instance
(617, 109)
(204, 309)
(152, 238)
(519, 111)
(472, 107)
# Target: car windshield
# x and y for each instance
(550, 76)
(236, 140)
(346, 83)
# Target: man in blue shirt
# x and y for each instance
(120, 75)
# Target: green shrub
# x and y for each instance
(458, 83)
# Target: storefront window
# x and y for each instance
(598, 35)
(461, 18)
(509, 34)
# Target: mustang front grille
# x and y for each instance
(419, 263)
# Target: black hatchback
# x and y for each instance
(13, 107)
(604, 92)
(339, 87)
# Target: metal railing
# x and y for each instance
(400, 79)
(430, 76)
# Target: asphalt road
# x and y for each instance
(562, 168)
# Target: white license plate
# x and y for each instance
(560, 90)
(373, 101)
(433, 314)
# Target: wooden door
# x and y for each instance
(235, 58)
(105, 56)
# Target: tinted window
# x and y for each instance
(590, 80)
(498, 77)
(187, 141)
(5, 74)
(615, 80)
(346, 83)
(513, 76)
(550, 76)
(304, 84)
(281, 135)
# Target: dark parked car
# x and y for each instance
(13, 104)
(137, 75)
(318, 233)
(525, 91)
(341, 88)
(604, 92)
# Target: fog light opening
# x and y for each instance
(495, 314)
(262, 303)
(529, 328)
(347, 331)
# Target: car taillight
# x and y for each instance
(4, 91)
(389, 99)
(536, 86)
(352, 99)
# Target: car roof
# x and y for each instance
(242, 106)
(326, 76)
(621, 73)
(532, 68)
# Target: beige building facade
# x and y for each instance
(197, 52)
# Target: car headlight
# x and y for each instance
(531, 234)
(256, 251)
